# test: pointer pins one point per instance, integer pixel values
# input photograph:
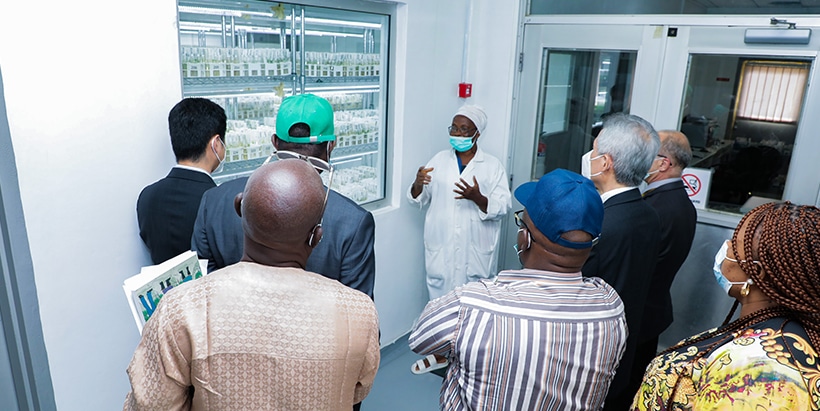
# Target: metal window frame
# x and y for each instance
(19, 307)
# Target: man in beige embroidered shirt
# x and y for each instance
(262, 334)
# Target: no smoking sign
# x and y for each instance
(692, 184)
(696, 181)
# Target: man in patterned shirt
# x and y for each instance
(540, 338)
(262, 334)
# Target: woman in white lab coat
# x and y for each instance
(468, 194)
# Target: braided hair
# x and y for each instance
(784, 262)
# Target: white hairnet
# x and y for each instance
(476, 114)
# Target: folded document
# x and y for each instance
(145, 289)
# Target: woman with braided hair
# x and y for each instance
(768, 358)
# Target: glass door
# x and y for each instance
(573, 76)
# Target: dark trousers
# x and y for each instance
(644, 353)
(622, 400)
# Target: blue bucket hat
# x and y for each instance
(563, 201)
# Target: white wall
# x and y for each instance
(426, 100)
(88, 88)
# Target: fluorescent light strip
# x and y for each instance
(211, 12)
(196, 27)
(222, 12)
(329, 33)
(341, 89)
(342, 23)
(312, 20)
(187, 25)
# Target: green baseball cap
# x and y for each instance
(310, 109)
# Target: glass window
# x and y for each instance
(771, 91)
(579, 89)
(741, 116)
(247, 56)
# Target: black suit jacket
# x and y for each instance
(625, 258)
(345, 252)
(678, 219)
(166, 211)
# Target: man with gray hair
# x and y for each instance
(626, 255)
(667, 195)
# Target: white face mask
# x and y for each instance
(586, 165)
(221, 165)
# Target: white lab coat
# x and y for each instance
(460, 241)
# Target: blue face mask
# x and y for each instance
(461, 144)
(717, 269)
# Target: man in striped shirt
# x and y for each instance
(540, 338)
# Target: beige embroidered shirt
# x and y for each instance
(254, 337)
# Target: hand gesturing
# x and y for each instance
(472, 193)
(466, 191)
(422, 179)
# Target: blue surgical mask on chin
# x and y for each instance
(716, 268)
(461, 144)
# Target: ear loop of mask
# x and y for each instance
(221, 164)
(317, 227)
(529, 243)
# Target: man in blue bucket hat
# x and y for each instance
(508, 340)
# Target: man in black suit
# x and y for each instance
(304, 126)
(667, 195)
(167, 208)
(627, 251)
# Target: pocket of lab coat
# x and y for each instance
(484, 234)
(434, 263)
(480, 264)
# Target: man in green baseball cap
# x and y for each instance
(304, 130)
(311, 110)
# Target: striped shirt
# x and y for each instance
(528, 340)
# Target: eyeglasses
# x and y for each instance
(738, 262)
(319, 165)
(742, 261)
(464, 131)
(519, 222)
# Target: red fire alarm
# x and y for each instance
(465, 90)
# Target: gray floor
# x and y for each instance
(396, 388)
